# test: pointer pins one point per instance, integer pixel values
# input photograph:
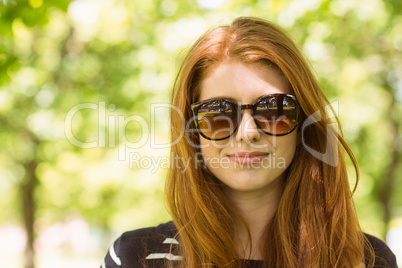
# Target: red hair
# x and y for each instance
(315, 224)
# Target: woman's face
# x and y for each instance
(249, 160)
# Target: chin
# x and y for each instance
(247, 184)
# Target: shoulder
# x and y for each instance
(149, 247)
(383, 254)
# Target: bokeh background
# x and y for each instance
(79, 124)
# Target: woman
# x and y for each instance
(267, 184)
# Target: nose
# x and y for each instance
(248, 130)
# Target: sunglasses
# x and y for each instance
(219, 118)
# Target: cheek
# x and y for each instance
(287, 146)
(212, 149)
(208, 152)
(207, 148)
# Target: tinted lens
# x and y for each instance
(276, 114)
(217, 119)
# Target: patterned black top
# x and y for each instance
(150, 247)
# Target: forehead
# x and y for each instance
(244, 82)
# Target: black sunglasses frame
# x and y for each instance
(240, 107)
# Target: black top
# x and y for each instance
(150, 247)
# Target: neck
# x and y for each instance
(257, 209)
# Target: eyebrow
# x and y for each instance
(232, 99)
(222, 97)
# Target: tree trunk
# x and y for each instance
(28, 207)
(386, 191)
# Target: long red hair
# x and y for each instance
(315, 224)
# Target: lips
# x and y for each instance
(247, 158)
